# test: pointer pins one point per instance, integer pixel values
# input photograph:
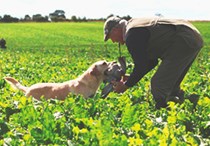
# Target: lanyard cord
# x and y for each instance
(119, 50)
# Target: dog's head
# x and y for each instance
(108, 71)
(99, 68)
(114, 72)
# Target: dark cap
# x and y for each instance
(110, 23)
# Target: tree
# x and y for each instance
(59, 12)
(58, 15)
(84, 19)
(8, 18)
(27, 18)
(40, 18)
(74, 18)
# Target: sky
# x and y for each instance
(183, 9)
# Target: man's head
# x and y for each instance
(110, 23)
(113, 29)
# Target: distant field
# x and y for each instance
(56, 52)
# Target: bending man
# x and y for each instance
(175, 42)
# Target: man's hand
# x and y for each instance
(125, 78)
(119, 87)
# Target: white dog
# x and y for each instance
(86, 84)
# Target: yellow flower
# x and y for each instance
(83, 130)
(131, 141)
(171, 119)
(136, 127)
(138, 141)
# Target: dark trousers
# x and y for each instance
(176, 61)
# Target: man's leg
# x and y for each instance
(177, 94)
(176, 61)
(165, 84)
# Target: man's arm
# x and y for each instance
(136, 41)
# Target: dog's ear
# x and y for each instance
(94, 71)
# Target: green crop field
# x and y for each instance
(56, 52)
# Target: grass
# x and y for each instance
(56, 52)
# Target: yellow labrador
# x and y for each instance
(86, 84)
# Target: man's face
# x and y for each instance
(116, 35)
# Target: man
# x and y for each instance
(175, 42)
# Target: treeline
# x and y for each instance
(56, 16)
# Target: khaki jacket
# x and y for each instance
(164, 32)
(143, 22)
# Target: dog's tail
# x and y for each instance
(15, 84)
